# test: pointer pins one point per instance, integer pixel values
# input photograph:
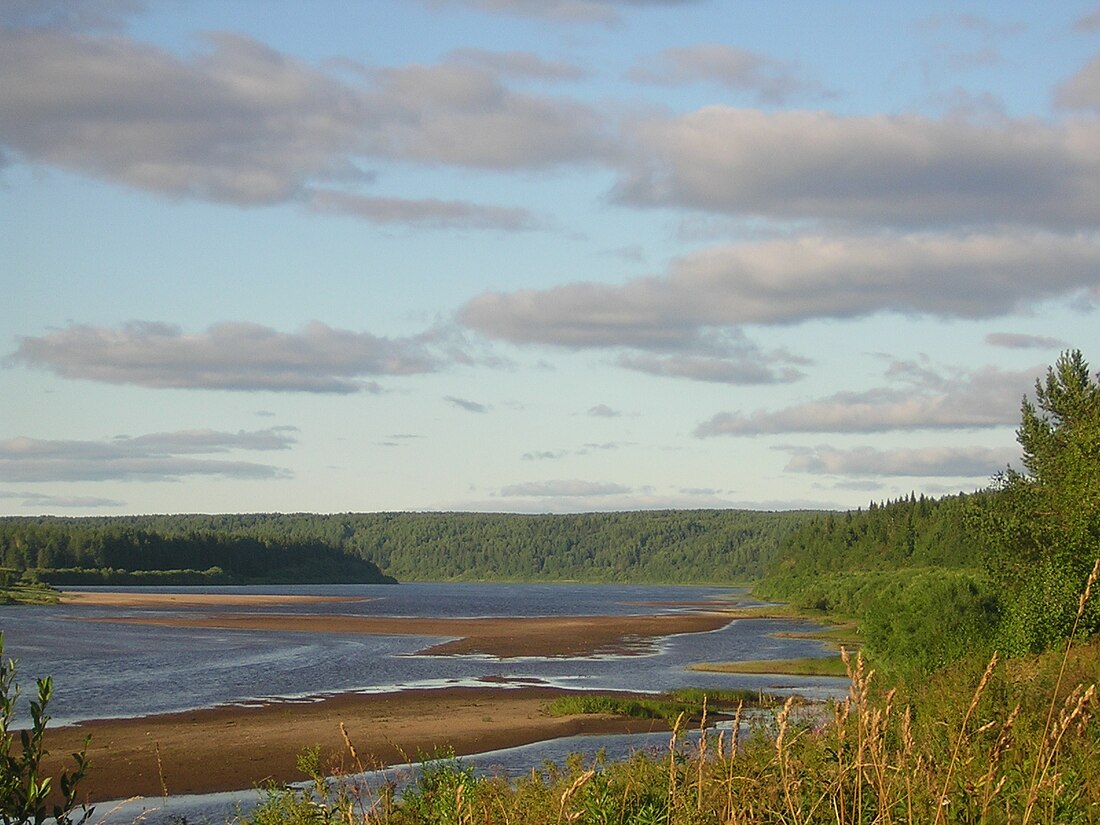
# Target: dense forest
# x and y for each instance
(667, 546)
(126, 551)
(931, 581)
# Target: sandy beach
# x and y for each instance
(241, 747)
(236, 748)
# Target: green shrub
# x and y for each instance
(24, 792)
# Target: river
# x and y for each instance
(104, 670)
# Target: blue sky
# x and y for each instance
(535, 255)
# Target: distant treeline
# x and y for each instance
(913, 572)
(680, 546)
(137, 551)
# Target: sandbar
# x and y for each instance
(500, 637)
(238, 748)
(112, 598)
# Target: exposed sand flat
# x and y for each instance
(235, 748)
(105, 598)
(502, 637)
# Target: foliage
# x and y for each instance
(929, 619)
(688, 703)
(913, 615)
(24, 792)
(139, 550)
(1042, 529)
(932, 580)
(26, 591)
(676, 546)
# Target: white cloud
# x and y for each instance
(228, 356)
(545, 455)
(463, 115)
(633, 499)
(1089, 23)
(961, 462)
(572, 489)
(244, 123)
(895, 170)
(1082, 90)
(767, 79)
(745, 370)
(240, 122)
(430, 213)
(67, 15)
(561, 11)
(466, 404)
(1015, 340)
(30, 500)
(603, 411)
(975, 399)
(519, 64)
(154, 457)
(795, 279)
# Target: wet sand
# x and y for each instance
(238, 748)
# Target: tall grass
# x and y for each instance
(1008, 741)
(974, 746)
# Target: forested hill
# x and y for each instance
(1008, 568)
(681, 546)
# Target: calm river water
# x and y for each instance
(110, 670)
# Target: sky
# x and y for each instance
(535, 255)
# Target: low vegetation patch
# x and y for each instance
(690, 703)
(35, 593)
(820, 666)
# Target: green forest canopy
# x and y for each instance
(696, 546)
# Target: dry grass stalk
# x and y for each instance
(702, 757)
(908, 767)
(578, 783)
(782, 755)
(672, 761)
(1043, 762)
(963, 737)
(160, 772)
(351, 748)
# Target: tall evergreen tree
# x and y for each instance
(1044, 527)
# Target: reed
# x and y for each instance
(974, 746)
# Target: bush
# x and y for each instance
(24, 792)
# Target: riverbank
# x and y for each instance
(237, 748)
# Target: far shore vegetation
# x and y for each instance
(972, 698)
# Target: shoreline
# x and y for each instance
(243, 746)
(234, 748)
